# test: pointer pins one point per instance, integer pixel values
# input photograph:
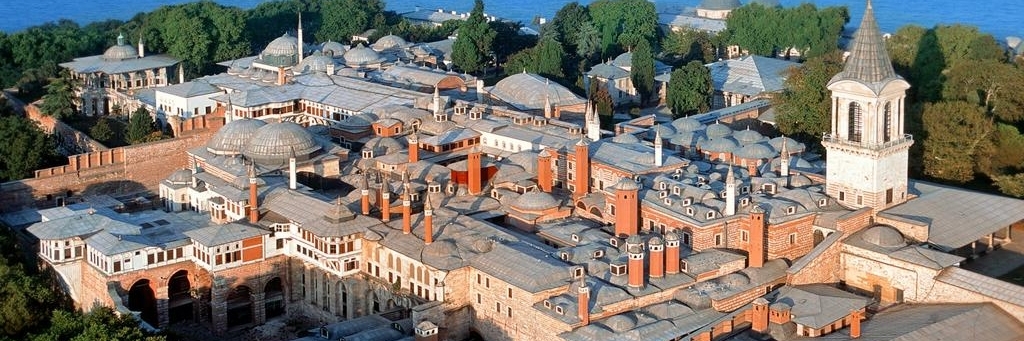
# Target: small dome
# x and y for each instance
(634, 240)
(443, 254)
(181, 176)
(232, 137)
(719, 145)
(687, 124)
(718, 130)
(358, 121)
(655, 241)
(791, 145)
(535, 201)
(625, 138)
(362, 56)
(273, 144)
(719, 4)
(688, 138)
(884, 236)
(317, 62)
(671, 236)
(755, 151)
(620, 323)
(333, 49)
(735, 279)
(381, 146)
(120, 52)
(665, 130)
(388, 42)
(624, 60)
(283, 51)
(627, 184)
(483, 245)
(748, 136)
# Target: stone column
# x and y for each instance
(259, 307)
(219, 306)
(163, 317)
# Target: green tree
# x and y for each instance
(101, 131)
(140, 126)
(768, 30)
(544, 59)
(341, 19)
(642, 70)
(989, 83)
(511, 41)
(687, 45)
(587, 41)
(1012, 185)
(958, 132)
(689, 90)
(26, 147)
(803, 109)
(99, 324)
(622, 24)
(473, 46)
(59, 100)
(567, 24)
(26, 296)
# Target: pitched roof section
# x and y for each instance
(868, 61)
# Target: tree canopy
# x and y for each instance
(803, 109)
(642, 70)
(689, 90)
(622, 24)
(473, 46)
(59, 100)
(769, 30)
(140, 127)
(26, 147)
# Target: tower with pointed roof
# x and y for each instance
(867, 149)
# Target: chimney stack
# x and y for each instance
(300, 44)
(730, 192)
(544, 171)
(583, 302)
(657, 149)
(759, 316)
(473, 165)
(626, 206)
(428, 221)
(756, 227)
(671, 252)
(254, 205)
(280, 76)
(385, 203)
(855, 317)
(657, 262)
(406, 212)
(635, 267)
(784, 162)
(414, 147)
(142, 48)
(292, 181)
(582, 156)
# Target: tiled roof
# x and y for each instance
(311, 213)
(868, 61)
(533, 270)
(928, 322)
(984, 285)
(750, 75)
(94, 64)
(818, 305)
(222, 234)
(189, 89)
(80, 225)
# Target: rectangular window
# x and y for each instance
(509, 292)
(497, 306)
(792, 238)
(744, 236)
(478, 299)
(487, 282)
(842, 196)
(718, 240)
(509, 311)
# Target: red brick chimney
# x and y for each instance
(756, 227)
(280, 76)
(635, 268)
(366, 195)
(406, 212)
(583, 302)
(855, 317)
(473, 165)
(582, 184)
(657, 262)
(254, 204)
(414, 147)
(626, 206)
(759, 316)
(385, 203)
(428, 221)
(544, 171)
(671, 253)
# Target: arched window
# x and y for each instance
(855, 128)
(887, 132)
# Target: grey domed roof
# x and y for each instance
(627, 184)
(620, 323)
(358, 121)
(791, 145)
(389, 42)
(625, 138)
(333, 49)
(719, 145)
(655, 241)
(755, 151)
(121, 51)
(718, 130)
(884, 236)
(687, 124)
(624, 60)
(285, 45)
(360, 56)
(535, 201)
(665, 130)
(383, 145)
(181, 176)
(719, 4)
(317, 62)
(527, 91)
(671, 236)
(443, 254)
(232, 137)
(735, 279)
(748, 136)
(688, 138)
(275, 143)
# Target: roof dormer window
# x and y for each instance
(575, 237)
(598, 254)
(711, 214)
(790, 209)
(822, 202)
(689, 211)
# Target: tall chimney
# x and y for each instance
(414, 147)
(473, 166)
(292, 181)
(756, 227)
(254, 205)
(428, 221)
(406, 212)
(657, 262)
(583, 302)
(300, 44)
(385, 203)
(672, 252)
(544, 171)
(855, 317)
(730, 192)
(657, 149)
(759, 316)
(626, 206)
(479, 91)
(142, 48)
(437, 101)
(784, 162)
(280, 76)
(366, 195)
(181, 73)
(635, 268)
(582, 156)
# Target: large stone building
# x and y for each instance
(451, 220)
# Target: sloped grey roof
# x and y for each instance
(311, 213)
(109, 244)
(984, 285)
(818, 305)
(527, 91)
(952, 213)
(607, 71)
(868, 61)
(189, 89)
(434, 16)
(93, 64)
(533, 270)
(222, 234)
(929, 322)
(689, 20)
(926, 257)
(750, 75)
(79, 225)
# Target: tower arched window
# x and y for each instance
(855, 122)
(887, 132)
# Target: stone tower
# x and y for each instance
(867, 149)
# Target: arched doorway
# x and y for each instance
(274, 298)
(818, 237)
(239, 306)
(179, 297)
(142, 299)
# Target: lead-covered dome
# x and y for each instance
(121, 51)
(687, 124)
(317, 62)
(333, 49)
(273, 144)
(535, 201)
(283, 51)
(232, 137)
(362, 56)
(884, 236)
(388, 42)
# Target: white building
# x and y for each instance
(185, 100)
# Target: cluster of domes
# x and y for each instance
(121, 51)
(283, 51)
(317, 62)
(267, 144)
(361, 56)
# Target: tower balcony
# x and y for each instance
(904, 142)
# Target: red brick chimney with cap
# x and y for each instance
(757, 227)
(626, 206)
(406, 212)
(426, 331)
(582, 156)
(473, 166)
(281, 79)
(254, 204)
(657, 262)
(544, 171)
(385, 202)
(583, 302)
(366, 195)
(414, 147)
(428, 221)
(759, 316)
(671, 253)
(636, 265)
(855, 317)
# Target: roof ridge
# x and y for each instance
(869, 60)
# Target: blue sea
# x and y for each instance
(1001, 18)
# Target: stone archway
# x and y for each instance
(142, 299)
(239, 304)
(274, 298)
(179, 297)
(596, 212)
(818, 237)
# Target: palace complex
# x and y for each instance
(368, 190)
